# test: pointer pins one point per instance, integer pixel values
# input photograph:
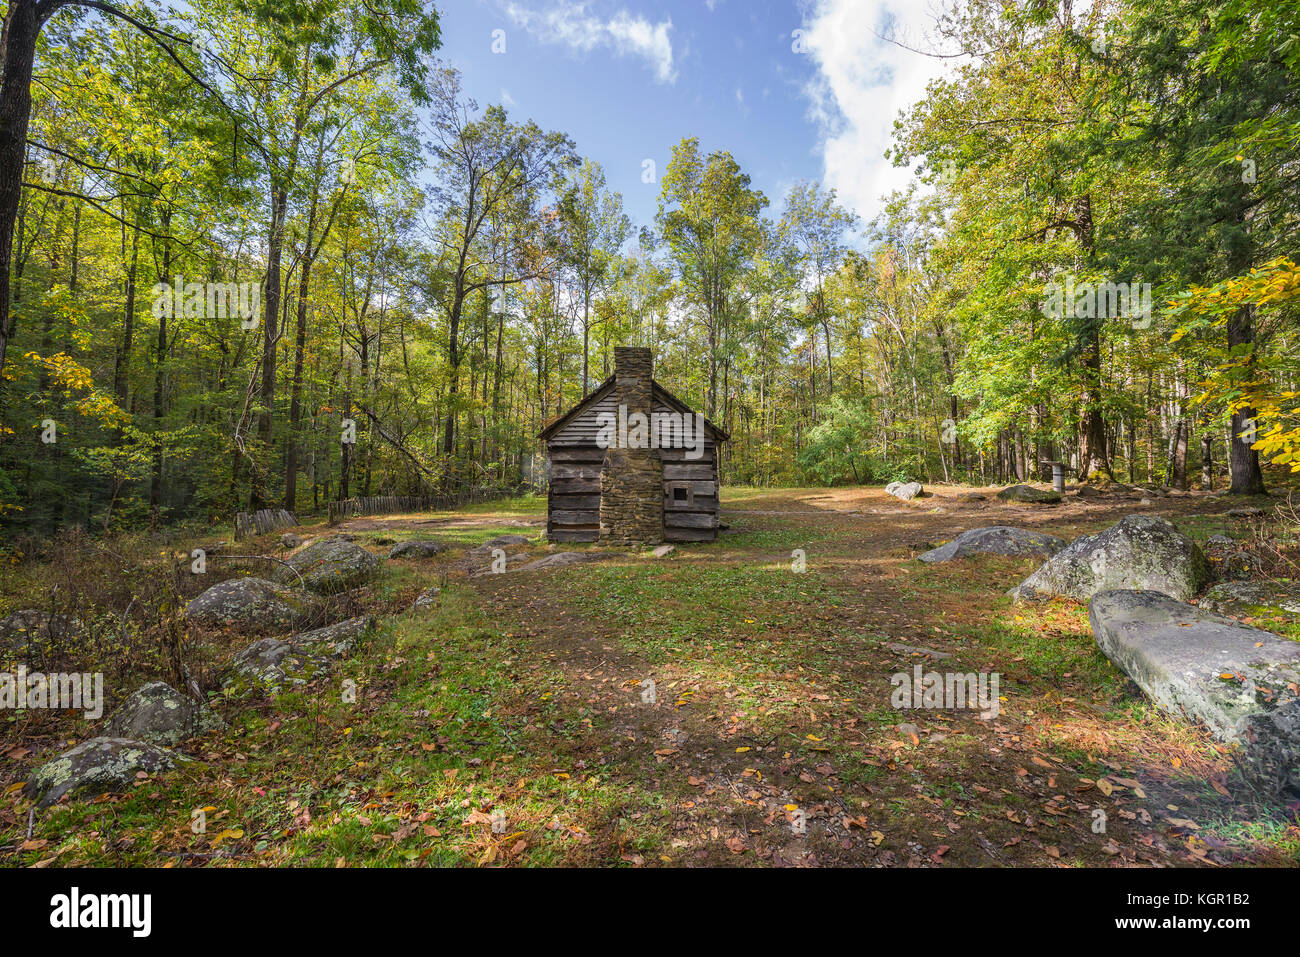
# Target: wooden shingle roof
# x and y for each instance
(659, 394)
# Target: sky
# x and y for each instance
(795, 90)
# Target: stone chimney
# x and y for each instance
(632, 478)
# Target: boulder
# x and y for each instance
(996, 540)
(426, 599)
(1235, 680)
(30, 629)
(1030, 494)
(1249, 511)
(501, 541)
(274, 662)
(252, 604)
(416, 549)
(330, 565)
(1224, 541)
(663, 551)
(561, 559)
(906, 491)
(1255, 599)
(159, 714)
(97, 766)
(290, 540)
(1141, 551)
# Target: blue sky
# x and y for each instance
(627, 79)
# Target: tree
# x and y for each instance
(708, 216)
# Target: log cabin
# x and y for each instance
(631, 464)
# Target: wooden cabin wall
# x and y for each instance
(573, 499)
(697, 519)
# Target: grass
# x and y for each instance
(507, 725)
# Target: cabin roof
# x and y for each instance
(659, 392)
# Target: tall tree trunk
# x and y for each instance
(17, 54)
(1247, 479)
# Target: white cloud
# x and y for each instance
(569, 24)
(862, 83)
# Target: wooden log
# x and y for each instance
(690, 520)
(576, 502)
(576, 486)
(575, 454)
(573, 534)
(570, 517)
(689, 534)
(699, 471)
(575, 472)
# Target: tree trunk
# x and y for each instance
(17, 54)
(1246, 476)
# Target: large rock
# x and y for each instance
(96, 766)
(1237, 681)
(1140, 551)
(274, 662)
(501, 541)
(32, 630)
(1255, 599)
(416, 549)
(426, 599)
(330, 565)
(561, 559)
(252, 604)
(1030, 494)
(996, 540)
(159, 714)
(906, 491)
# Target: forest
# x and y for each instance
(427, 280)
(327, 540)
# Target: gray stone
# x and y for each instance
(290, 540)
(426, 599)
(249, 604)
(996, 540)
(159, 714)
(31, 630)
(1249, 511)
(905, 491)
(330, 565)
(1029, 494)
(274, 662)
(561, 559)
(1180, 655)
(417, 549)
(1140, 551)
(501, 541)
(1223, 540)
(1255, 599)
(96, 766)
(663, 551)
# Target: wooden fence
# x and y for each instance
(262, 521)
(390, 504)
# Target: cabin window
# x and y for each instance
(681, 496)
